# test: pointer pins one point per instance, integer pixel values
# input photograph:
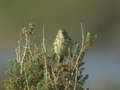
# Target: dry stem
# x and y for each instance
(26, 78)
(76, 65)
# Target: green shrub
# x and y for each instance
(38, 69)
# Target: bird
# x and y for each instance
(61, 44)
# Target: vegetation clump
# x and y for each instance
(38, 69)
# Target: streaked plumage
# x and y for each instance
(62, 43)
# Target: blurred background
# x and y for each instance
(99, 16)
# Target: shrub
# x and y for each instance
(38, 69)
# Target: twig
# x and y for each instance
(26, 78)
(44, 39)
(23, 59)
(76, 65)
(44, 49)
(46, 69)
(54, 77)
(24, 53)
(17, 55)
(18, 52)
(26, 47)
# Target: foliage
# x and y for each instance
(38, 69)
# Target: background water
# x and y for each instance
(99, 16)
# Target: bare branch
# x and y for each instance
(45, 59)
(76, 65)
(55, 78)
(44, 48)
(26, 78)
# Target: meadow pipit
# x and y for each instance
(61, 44)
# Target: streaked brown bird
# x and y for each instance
(61, 44)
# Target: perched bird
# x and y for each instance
(61, 44)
